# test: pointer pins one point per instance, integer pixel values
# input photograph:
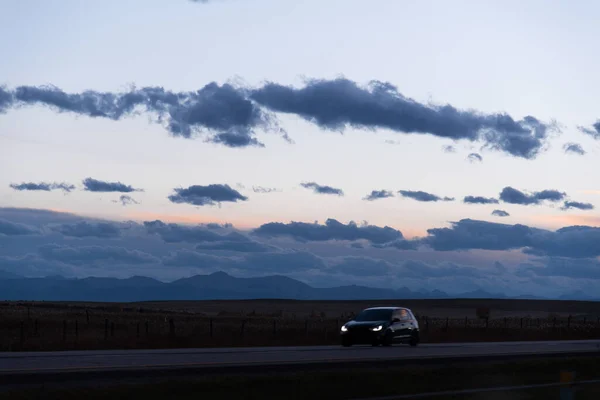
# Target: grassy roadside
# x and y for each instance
(351, 383)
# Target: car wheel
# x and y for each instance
(414, 340)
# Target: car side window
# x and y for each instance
(404, 315)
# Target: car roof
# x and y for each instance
(388, 308)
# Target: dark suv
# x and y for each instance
(381, 326)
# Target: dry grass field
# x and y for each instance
(45, 326)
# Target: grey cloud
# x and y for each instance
(578, 205)
(84, 255)
(361, 267)
(335, 104)
(175, 233)
(320, 189)
(514, 196)
(189, 258)
(467, 234)
(574, 148)
(474, 157)
(423, 196)
(126, 200)
(221, 109)
(247, 246)
(206, 195)
(331, 230)
(95, 185)
(378, 194)
(420, 270)
(8, 228)
(449, 149)
(6, 99)
(32, 265)
(43, 186)
(401, 244)
(593, 132)
(500, 213)
(236, 140)
(104, 230)
(261, 189)
(479, 200)
(586, 268)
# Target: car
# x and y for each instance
(381, 326)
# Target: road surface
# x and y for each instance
(69, 362)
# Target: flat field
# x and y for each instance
(45, 326)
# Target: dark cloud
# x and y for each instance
(320, 189)
(206, 195)
(214, 225)
(261, 189)
(104, 230)
(423, 196)
(593, 132)
(379, 194)
(449, 149)
(331, 230)
(361, 267)
(500, 213)
(176, 233)
(43, 186)
(578, 205)
(480, 200)
(514, 196)
(467, 234)
(401, 244)
(247, 246)
(95, 185)
(126, 200)
(563, 267)
(84, 255)
(236, 139)
(8, 228)
(574, 148)
(221, 109)
(6, 99)
(336, 104)
(474, 157)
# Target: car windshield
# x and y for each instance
(374, 315)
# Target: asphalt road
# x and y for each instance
(34, 363)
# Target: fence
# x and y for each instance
(82, 328)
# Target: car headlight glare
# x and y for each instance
(344, 329)
(377, 328)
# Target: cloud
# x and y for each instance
(573, 148)
(42, 186)
(176, 233)
(6, 99)
(8, 228)
(500, 213)
(104, 230)
(222, 110)
(378, 194)
(261, 189)
(468, 234)
(563, 267)
(514, 196)
(319, 189)
(449, 149)
(95, 185)
(125, 200)
(84, 255)
(331, 230)
(401, 244)
(361, 267)
(593, 132)
(423, 196)
(206, 195)
(336, 104)
(474, 157)
(577, 205)
(247, 246)
(479, 200)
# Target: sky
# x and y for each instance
(450, 124)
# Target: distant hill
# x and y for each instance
(216, 286)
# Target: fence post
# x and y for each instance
(28, 312)
(569, 322)
(306, 326)
(584, 320)
(22, 333)
(447, 322)
(35, 327)
(274, 327)
(487, 321)
(566, 392)
(87, 316)
(105, 329)
(112, 329)
(76, 329)
(521, 323)
(137, 330)
(466, 322)
(554, 324)
(171, 327)
(242, 328)
(65, 329)
(505, 323)
(211, 327)
(147, 328)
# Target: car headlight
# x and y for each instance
(377, 328)
(344, 329)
